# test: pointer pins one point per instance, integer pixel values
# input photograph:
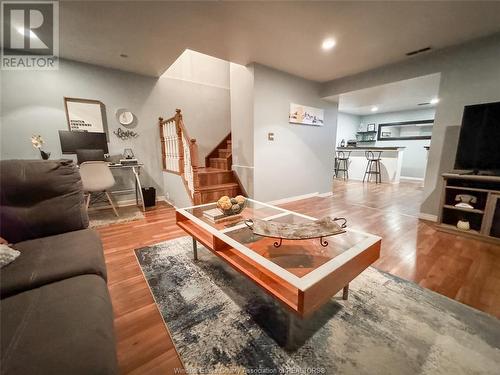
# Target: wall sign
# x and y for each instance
(85, 115)
(303, 115)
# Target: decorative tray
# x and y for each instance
(324, 227)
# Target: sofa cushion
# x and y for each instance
(54, 258)
(61, 328)
(40, 198)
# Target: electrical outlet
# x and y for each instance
(270, 136)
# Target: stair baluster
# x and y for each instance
(180, 156)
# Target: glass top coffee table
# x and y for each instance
(302, 274)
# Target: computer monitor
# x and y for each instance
(72, 141)
(83, 155)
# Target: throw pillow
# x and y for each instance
(7, 255)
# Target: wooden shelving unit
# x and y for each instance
(484, 218)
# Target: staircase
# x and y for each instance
(217, 179)
(180, 156)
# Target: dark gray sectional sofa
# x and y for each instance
(56, 314)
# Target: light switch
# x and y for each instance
(270, 136)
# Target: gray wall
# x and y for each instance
(242, 133)
(347, 126)
(470, 74)
(33, 104)
(300, 159)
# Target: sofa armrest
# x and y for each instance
(40, 198)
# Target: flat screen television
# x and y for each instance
(73, 140)
(479, 143)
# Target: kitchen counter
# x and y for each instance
(367, 148)
(391, 162)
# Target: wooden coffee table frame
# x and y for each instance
(302, 295)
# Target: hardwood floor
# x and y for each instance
(460, 268)
(143, 343)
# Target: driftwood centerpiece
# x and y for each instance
(325, 227)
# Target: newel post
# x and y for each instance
(193, 150)
(178, 129)
(163, 148)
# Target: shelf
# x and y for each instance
(367, 132)
(373, 140)
(468, 188)
(483, 218)
(452, 228)
(471, 210)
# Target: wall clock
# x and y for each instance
(126, 118)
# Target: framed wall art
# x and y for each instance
(304, 115)
(85, 115)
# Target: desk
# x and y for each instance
(136, 170)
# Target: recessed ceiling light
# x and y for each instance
(328, 44)
(434, 101)
(123, 55)
(374, 108)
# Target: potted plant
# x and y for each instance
(37, 142)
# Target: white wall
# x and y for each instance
(470, 74)
(300, 159)
(33, 104)
(199, 85)
(242, 133)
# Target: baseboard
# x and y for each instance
(428, 217)
(411, 178)
(242, 166)
(326, 195)
(164, 199)
(124, 203)
(294, 198)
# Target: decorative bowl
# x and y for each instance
(231, 206)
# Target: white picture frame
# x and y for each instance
(303, 115)
(85, 115)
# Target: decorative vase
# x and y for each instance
(45, 155)
(463, 224)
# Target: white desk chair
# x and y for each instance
(97, 178)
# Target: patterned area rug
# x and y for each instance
(105, 216)
(222, 323)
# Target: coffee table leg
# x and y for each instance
(345, 292)
(195, 249)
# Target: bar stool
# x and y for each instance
(342, 164)
(373, 161)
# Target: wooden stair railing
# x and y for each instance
(179, 152)
(180, 156)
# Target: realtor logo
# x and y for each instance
(30, 35)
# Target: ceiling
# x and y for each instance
(392, 97)
(283, 35)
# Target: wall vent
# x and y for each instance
(424, 103)
(412, 53)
